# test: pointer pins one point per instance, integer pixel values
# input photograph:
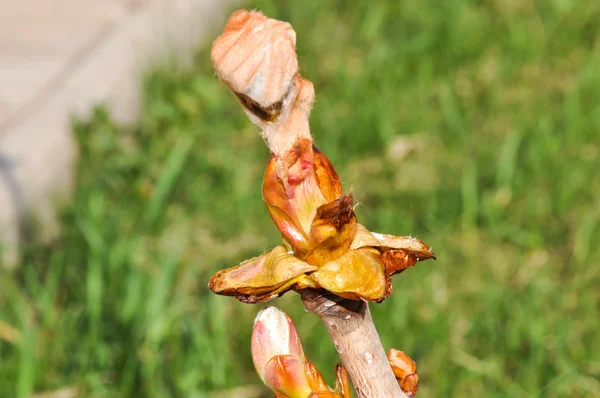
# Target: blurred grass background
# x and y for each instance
(473, 125)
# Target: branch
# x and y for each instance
(353, 332)
(255, 57)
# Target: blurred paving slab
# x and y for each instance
(59, 58)
(41, 40)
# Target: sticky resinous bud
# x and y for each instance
(323, 247)
(405, 370)
(280, 362)
(277, 354)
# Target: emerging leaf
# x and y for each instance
(356, 275)
(285, 375)
(324, 246)
(261, 278)
(242, 59)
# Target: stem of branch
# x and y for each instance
(353, 332)
(255, 57)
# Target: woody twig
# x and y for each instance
(336, 264)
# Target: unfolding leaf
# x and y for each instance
(285, 374)
(332, 230)
(251, 46)
(261, 278)
(365, 238)
(342, 385)
(292, 195)
(327, 178)
(303, 195)
(397, 261)
(314, 377)
(356, 275)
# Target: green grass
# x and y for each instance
(499, 104)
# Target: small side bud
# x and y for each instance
(277, 354)
(405, 370)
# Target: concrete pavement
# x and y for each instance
(59, 58)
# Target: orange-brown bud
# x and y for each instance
(405, 370)
(303, 194)
(324, 246)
